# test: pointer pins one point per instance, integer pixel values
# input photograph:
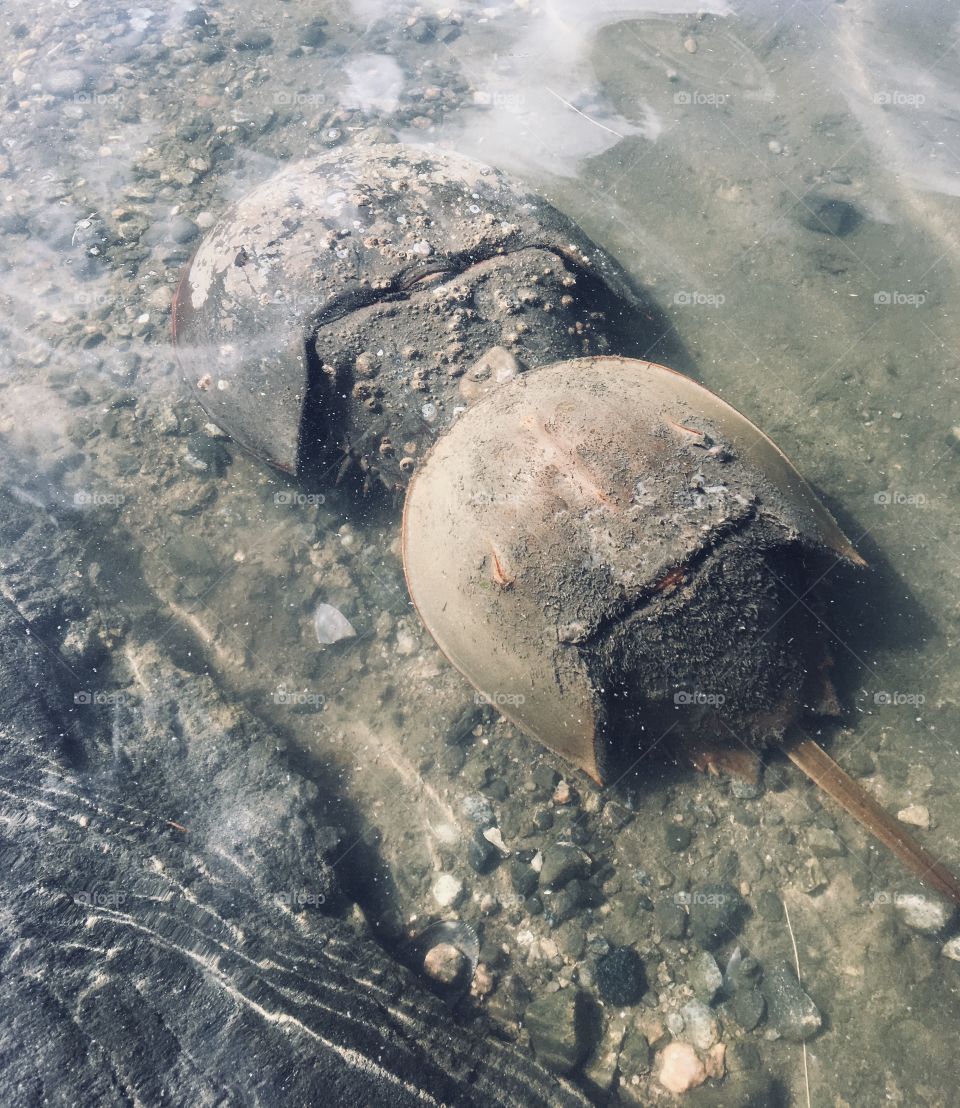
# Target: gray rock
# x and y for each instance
(699, 1025)
(563, 862)
(183, 230)
(561, 906)
(671, 918)
(716, 914)
(558, 1028)
(705, 977)
(254, 41)
(830, 215)
(677, 837)
(747, 1007)
(924, 912)
(824, 843)
(65, 82)
(790, 1011)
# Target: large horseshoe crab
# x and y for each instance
(603, 546)
(617, 558)
(345, 310)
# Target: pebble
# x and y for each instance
(444, 963)
(562, 863)
(478, 810)
(791, 1012)
(923, 913)
(680, 1069)
(830, 215)
(65, 82)
(677, 837)
(330, 625)
(774, 147)
(747, 1007)
(700, 1025)
(183, 230)
(916, 815)
(952, 949)
(254, 41)
(447, 890)
(562, 905)
(555, 1025)
(620, 977)
(705, 977)
(671, 919)
(523, 878)
(690, 44)
(483, 981)
(716, 913)
(824, 843)
(482, 855)
(313, 34)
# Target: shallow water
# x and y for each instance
(690, 141)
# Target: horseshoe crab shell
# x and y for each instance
(272, 314)
(606, 550)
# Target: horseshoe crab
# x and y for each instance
(341, 313)
(617, 558)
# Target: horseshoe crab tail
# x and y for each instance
(824, 772)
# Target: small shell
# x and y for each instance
(331, 625)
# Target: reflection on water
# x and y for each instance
(697, 143)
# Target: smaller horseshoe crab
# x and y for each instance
(340, 314)
(617, 558)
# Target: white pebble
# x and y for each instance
(331, 625)
(448, 890)
(916, 815)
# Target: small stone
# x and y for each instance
(824, 843)
(254, 41)
(448, 890)
(791, 1012)
(482, 855)
(677, 837)
(830, 215)
(952, 949)
(545, 777)
(445, 964)
(924, 913)
(601, 1070)
(705, 977)
(572, 940)
(620, 977)
(563, 905)
(747, 1007)
(563, 862)
(671, 919)
(716, 914)
(65, 82)
(916, 815)
(478, 810)
(680, 1069)
(774, 147)
(690, 44)
(183, 230)
(484, 981)
(557, 1025)
(313, 33)
(523, 878)
(330, 625)
(700, 1026)
(562, 794)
